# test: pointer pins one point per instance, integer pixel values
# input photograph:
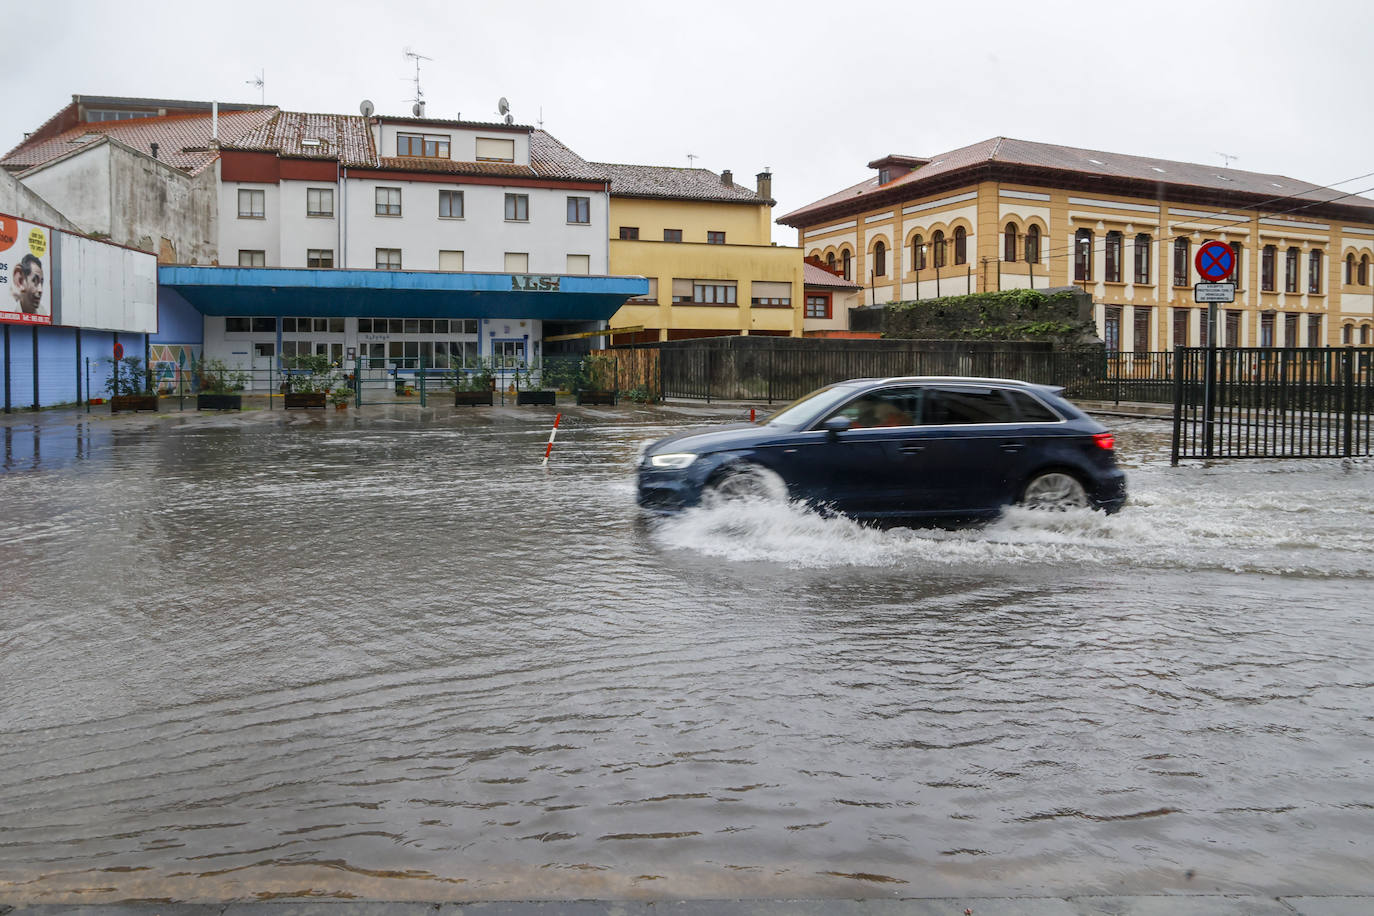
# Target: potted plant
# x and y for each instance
(340, 397)
(220, 387)
(473, 386)
(526, 392)
(596, 380)
(130, 386)
(308, 381)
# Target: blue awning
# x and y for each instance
(323, 293)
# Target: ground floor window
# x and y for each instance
(818, 305)
(1111, 329)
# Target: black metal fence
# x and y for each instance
(1266, 403)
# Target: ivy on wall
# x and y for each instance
(1020, 314)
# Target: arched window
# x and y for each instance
(1267, 260)
(1112, 258)
(1349, 269)
(1364, 270)
(1314, 270)
(918, 252)
(1182, 262)
(937, 241)
(960, 245)
(1348, 334)
(1033, 244)
(1082, 255)
(1142, 258)
(1009, 243)
(1364, 335)
(880, 259)
(1290, 270)
(830, 260)
(845, 257)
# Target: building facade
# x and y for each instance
(1009, 214)
(705, 245)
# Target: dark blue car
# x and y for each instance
(899, 448)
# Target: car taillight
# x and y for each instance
(1105, 441)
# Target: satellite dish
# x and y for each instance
(366, 107)
(503, 106)
(418, 109)
(510, 119)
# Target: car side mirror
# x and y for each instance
(836, 425)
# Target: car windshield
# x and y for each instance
(807, 408)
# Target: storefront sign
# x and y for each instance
(24, 272)
(528, 283)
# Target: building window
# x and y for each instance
(1009, 243)
(848, 264)
(675, 235)
(918, 252)
(388, 201)
(1182, 318)
(880, 260)
(579, 264)
(960, 245)
(817, 305)
(629, 233)
(492, 150)
(451, 260)
(422, 146)
(1290, 271)
(319, 202)
(252, 204)
(450, 204)
(937, 242)
(1082, 256)
(710, 293)
(388, 259)
(1290, 330)
(715, 238)
(1314, 330)
(252, 258)
(1364, 270)
(1183, 268)
(830, 261)
(1140, 318)
(1349, 269)
(1314, 270)
(1237, 263)
(1348, 334)
(1266, 329)
(1112, 258)
(319, 257)
(1143, 255)
(517, 262)
(518, 208)
(884, 175)
(1267, 258)
(1032, 244)
(579, 210)
(1232, 338)
(1111, 328)
(1364, 335)
(1204, 329)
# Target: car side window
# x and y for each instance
(887, 407)
(949, 406)
(1031, 410)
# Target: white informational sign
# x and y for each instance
(1214, 292)
(24, 257)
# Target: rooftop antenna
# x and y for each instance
(1226, 159)
(261, 82)
(691, 160)
(541, 117)
(503, 109)
(418, 108)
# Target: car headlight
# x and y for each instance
(672, 461)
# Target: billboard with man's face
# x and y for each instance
(24, 251)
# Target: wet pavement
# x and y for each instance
(385, 655)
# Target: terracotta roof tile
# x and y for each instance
(819, 276)
(342, 137)
(183, 140)
(674, 184)
(551, 159)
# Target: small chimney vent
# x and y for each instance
(154, 146)
(765, 184)
(727, 178)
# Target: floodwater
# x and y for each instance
(389, 656)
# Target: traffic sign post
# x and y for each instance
(1214, 262)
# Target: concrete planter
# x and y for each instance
(472, 398)
(545, 397)
(219, 402)
(596, 396)
(306, 400)
(133, 402)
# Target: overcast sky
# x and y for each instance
(811, 90)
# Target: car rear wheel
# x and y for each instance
(1055, 491)
(746, 481)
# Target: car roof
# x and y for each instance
(955, 379)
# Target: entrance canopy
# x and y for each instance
(326, 293)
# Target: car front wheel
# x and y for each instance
(1055, 491)
(746, 481)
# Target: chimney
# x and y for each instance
(727, 178)
(154, 146)
(765, 179)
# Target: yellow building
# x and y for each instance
(1011, 214)
(705, 245)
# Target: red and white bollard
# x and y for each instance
(553, 433)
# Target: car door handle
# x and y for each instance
(912, 449)
(1012, 447)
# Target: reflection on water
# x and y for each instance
(383, 658)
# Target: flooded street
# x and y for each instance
(389, 656)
